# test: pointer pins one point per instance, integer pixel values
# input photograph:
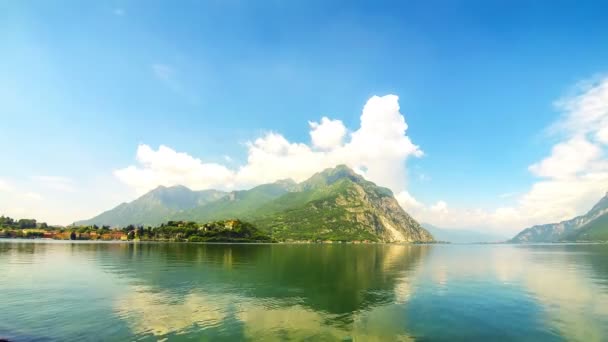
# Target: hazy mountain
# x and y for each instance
(592, 226)
(155, 206)
(462, 236)
(244, 203)
(335, 204)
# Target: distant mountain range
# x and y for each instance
(335, 204)
(462, 236)
(593, 226)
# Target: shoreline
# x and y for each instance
(46, 240)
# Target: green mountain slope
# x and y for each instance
(596, 230)
(243, 203)
(588, 227)
(338, 204)
(335, 204)
(155, 206)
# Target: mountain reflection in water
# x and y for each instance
(318, 292)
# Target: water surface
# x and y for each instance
(75, 291)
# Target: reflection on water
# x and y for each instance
(318, 292)
(281, 291)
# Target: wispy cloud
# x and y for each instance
(58, 183)
(570, 179)
(166, 74)
(169, 76)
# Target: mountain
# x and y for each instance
(338, 204)
(593, 226)
(462, 236)
(244, 203)
(335, 204)
(155, 206)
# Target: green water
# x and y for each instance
(61, 291)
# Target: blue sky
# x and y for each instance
(83, 85)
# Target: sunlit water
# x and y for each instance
(117, 292)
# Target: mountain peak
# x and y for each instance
(330, 176)
(286, 182)
(601, 205)
(161, 188)
(338, 172)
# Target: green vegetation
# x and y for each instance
(9, 223)
(596, 230)
(320, 213)
(155, 207)
(216, 231)
(336, 205)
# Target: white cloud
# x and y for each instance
(573, 177)
(379, 146)
(327, 134)
(408, 202)
(568, 158)
(576, 172)
(168, 167)
(441, 207)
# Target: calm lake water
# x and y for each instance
(117, 292)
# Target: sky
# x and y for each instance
(484, 115)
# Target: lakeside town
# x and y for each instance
(183, 231)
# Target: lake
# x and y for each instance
(78, 291)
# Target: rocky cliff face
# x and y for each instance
(376, 209)
(554, 232)
(339, 204)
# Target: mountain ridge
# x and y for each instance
(592, 223)
(333, 204)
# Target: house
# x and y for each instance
(118, 235)
(49, 235)
(230, 224)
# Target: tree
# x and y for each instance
(27, 223)
(6, 221)
(139, 233)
